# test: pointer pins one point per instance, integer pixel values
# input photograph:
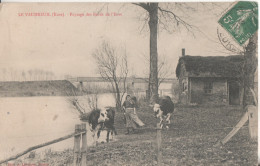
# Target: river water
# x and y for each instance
(29, 121)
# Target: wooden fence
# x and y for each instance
(79, 134)
(80, 146)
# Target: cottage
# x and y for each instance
(210, 80)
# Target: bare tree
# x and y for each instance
(164, 16)
(4, 73)
(30, 72)
(12, 74)
(92, 97)
(85, 102)
(249, 70)
(164, 68)
(73, 99)
(52, 76)
(112, 66)
(24, 76)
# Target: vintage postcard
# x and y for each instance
(141, 83)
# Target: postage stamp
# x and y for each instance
(241, 21)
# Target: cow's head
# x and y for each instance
(103, 116)
(157, 110)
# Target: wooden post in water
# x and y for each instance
(159, 144)
(84, 145)
(76, 145)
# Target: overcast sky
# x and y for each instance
(65, 45)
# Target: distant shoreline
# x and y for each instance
(36, 88)
(62, 88)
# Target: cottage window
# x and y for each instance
(208, 86)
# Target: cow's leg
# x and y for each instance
(112, 134)
(114, 130)
(98, 133)
(108, 132)
(168, 120)
(161, 122)
(95, 138)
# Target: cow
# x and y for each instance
(101, 119)
(163, 110)
(109, 123)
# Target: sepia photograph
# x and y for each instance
(129, 83)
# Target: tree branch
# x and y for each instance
(145, 6)
(167, 14)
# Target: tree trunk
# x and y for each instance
(249, 70)
(118, 102)
(153, 25)
(148, 94)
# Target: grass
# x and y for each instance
(189, 141)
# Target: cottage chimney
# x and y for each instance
(183, 52)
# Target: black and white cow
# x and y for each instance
(99, 120)
(163, 110)
(109, 123)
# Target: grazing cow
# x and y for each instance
(95, 119)
(109, 123)
(99, 120)
(164, 109)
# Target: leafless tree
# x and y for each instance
(112, 66)
(12, 73)
(30, 72)
(163, 16)
(85, 101)
(93, 92)
(160, 15)
(164, 68)
(249, 70)
(4, 74)
(73, 99)
(24, 76)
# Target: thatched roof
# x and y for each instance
(211, 66)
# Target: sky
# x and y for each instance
(64, 45)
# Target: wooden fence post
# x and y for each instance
(159, 144)
(76, 145)
(235, 129)
(84, 145)
(252, 117)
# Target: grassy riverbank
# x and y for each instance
(189, 141)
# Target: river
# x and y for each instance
(28, 121)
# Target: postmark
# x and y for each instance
(241, 21)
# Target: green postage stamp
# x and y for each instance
(241, 21)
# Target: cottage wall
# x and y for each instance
(218, 95)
